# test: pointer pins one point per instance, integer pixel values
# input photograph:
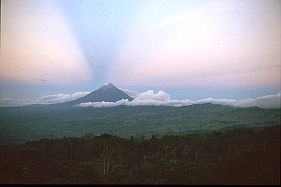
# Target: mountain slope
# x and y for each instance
(107, 92)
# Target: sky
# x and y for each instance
(190, 49)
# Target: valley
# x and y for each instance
(26, 123)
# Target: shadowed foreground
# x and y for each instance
(240, 156)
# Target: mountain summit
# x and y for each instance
(107, 93)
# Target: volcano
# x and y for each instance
(106, 93)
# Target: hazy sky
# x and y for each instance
(191, 49)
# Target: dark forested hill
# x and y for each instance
(237, 156)
(20, 124)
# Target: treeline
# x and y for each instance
(239, 156)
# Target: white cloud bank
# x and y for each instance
(150, 95)
(45, 99)
(15, 102)
(148, 98)
(59, 98)
(131, 93)
(161, 98)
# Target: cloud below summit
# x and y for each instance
(161, 98)
(59, 98)
(45, 99)
(148, 98)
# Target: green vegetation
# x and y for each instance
(21, 124)
(237, 156)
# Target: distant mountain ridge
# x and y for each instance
(107, 93)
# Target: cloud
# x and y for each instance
(146, 98)
(61, 97)
(150, 98)
(4, 102)
(268, 101)
(105, 104)
(45, 99)
(131, 93)
(215, 101)
(150, 95)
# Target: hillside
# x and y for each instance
(240, 156)
(21, 124)
(107, 93)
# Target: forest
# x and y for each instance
(29, 123)
(236, 156)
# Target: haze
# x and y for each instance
(191, 49)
